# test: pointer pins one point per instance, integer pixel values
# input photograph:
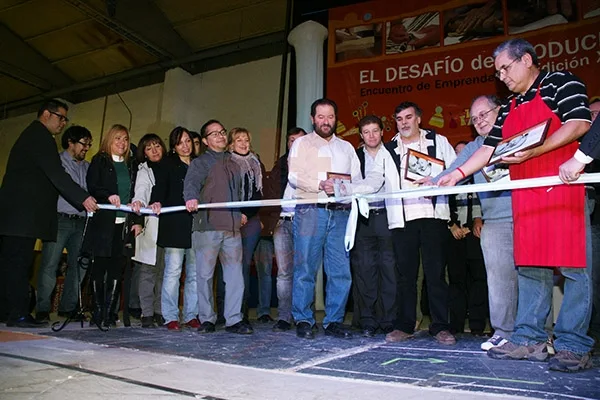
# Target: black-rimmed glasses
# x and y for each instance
(222, 132)
(84, 144)
(60, 116)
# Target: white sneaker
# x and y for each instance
(492, 342)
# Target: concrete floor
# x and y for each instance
(136, 363)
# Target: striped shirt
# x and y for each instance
(562, 92)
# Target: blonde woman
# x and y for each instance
(240, 146)
(110, 178)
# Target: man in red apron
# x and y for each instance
(550, 225)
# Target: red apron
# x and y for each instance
(549, 224)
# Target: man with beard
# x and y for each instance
(419, 229)
(76, 141)
(319, 229)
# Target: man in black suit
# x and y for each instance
(33, 179)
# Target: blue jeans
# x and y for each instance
(503, 292)
(70, 235)
(595, 321)
(263, 260)
(319, 238)
(250, 237)
(535, 299)
(284, 254)
(170, 287)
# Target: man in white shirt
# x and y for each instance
(419, 228)
(319, 229)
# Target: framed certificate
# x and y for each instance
(495, 172)
(338, 182)
(420, 165)
(524, 140)
(343, 178)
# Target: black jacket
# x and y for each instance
(174, 229)
(102, 183)
(33, 180)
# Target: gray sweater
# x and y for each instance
(214, 178)
(495, 206)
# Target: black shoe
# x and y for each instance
(159, 319)
(387, 329)
(368, 331)
(135, 313)
(265, 318)
(42, 316)
(206, 327)
(338, 330)
(281, 326)
(242, 328)
(26, 322)
(304, 330)
(148, 322)
(220, 320)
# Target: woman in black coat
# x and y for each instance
(110, 178)
(175, 232)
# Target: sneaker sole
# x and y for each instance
(574, 368)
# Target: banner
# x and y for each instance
(438, 54)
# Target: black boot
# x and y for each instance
(98, 298)
(112, 302)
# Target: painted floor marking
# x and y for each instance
(492, 379)
(336, 356)
(428, 360)
(513, 389)
(408, 378)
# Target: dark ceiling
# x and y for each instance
(84, 49)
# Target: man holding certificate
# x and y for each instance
(550, 225)
(317, 163)
(420, 225)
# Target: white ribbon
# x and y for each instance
(360, 204)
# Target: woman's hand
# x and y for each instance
(136, 206)
(115, 200)
(156, 207)
(137, 229)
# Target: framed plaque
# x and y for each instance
(524, 140)
(420, 165)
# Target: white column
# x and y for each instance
(307, 39)
(175, 103)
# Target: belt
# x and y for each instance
(287, 218)
(377, 211)
(333, 206)
(70, 216)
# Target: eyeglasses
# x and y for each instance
(504, 69)
(481, 116)
(88, 145)
(60, 116)
(222, 132)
